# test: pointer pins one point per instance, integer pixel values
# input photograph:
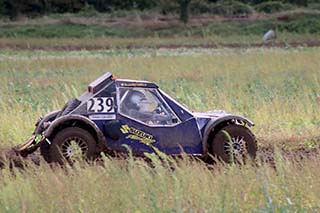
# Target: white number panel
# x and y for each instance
(101, 105)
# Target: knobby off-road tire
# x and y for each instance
(69, 145)
(243, 143)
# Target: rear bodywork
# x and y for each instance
(102, 113)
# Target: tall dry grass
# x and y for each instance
(276, 88)
(162, 185)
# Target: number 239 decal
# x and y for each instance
(101, 104)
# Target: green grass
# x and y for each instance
(300, 22)
(70, 31)
(278, 89)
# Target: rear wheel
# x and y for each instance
(70, 145)
(234, 143)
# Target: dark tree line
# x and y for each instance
(14, 8)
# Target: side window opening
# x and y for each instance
(147, 106)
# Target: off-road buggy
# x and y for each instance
(115, 114)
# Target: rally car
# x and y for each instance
(117, 114)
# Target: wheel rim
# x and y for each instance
(237, 146)
(74, 148)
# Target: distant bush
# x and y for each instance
(112, 5)
(294, 2)
(88, 11)
(302, 24)
(273, 7)
(200, 6)
(299, 2)
(31, 8)
(168, 6)
(230, 8)
(314, 6)
(2, 8)
(63, 6)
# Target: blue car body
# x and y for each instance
(99, 110)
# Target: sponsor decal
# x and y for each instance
(102, 117)
(133, 84)
(136, 134)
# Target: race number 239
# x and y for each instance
(101, 104)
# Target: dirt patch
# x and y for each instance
(269, 155)
(8, 157)
(170, 46)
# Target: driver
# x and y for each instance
(140, 108)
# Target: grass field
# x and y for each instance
(278, 89)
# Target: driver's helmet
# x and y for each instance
(138, 101)
(135, 99)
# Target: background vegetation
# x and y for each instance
(207, 20)
(68, 27)
(14, 8)
(278, 89)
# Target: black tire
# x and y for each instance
(60, 150)
(244, 144)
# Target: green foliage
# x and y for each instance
(299, 24)
(256, 2)
(200, 7)
(15, 8)
(2, 8)
(231, 8)
(168, 6)
(314, 6)
(184, 10)
(273, 6)
(112, 5)
(33, 8)
(303, 23)
(298, 2)
(63, 6)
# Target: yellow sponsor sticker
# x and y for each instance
(136, 134)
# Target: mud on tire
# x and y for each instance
(69, 145)
(243, 144)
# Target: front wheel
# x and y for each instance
(234, 143)
(70, 145)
